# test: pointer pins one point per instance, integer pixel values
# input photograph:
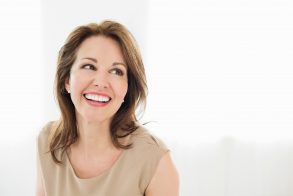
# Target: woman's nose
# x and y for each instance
(101, 79)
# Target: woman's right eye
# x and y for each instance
(88, 66)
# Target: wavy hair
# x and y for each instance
(65, 131)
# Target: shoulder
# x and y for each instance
(160, 174)
(147, 152)
(143, 139)
(165, 181)
(45, 130)
(44, 135)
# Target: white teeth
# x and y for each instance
(97, 97)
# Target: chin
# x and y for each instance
(91, 119)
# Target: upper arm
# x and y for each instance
(165, 181)
(39, 185)
(39, 189)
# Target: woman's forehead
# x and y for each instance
(100, 46)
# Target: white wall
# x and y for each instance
(21, 99)
(220, 80)
(221, 87)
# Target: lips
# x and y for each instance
(97, 97)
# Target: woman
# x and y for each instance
(98, 147)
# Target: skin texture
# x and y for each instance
(100, 68)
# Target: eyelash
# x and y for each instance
(91, 66)
(119, 72)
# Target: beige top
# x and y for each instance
(129, 176)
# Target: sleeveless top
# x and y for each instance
(130, 175)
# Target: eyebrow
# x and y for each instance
(89, 58)
(113, 64)
(119, 63)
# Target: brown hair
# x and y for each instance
(66, 133)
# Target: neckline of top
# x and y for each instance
(104, 173)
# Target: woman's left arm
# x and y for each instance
(165, 181)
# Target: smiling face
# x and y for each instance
(98, 80)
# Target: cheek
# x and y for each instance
(121, 88)
(76, 83)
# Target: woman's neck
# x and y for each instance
(93, 137)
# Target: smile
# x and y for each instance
(97, 98)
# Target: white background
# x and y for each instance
(220, 86)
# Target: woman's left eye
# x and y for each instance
(117, 72)
(88, 66)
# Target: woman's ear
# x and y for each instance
(67, 84)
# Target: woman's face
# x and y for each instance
(98, 79)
